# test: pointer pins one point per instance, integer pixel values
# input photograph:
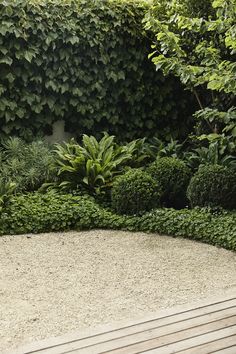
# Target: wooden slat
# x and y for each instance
(202, 344)
(182, 317)
(56, 341)
(231, 350)
(159, 336)
(214, 341)
(164, 340)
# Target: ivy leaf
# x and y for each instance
(6, 60)
(28, 55)
(10, 77)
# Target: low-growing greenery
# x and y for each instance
(35, 213)
(47, 212)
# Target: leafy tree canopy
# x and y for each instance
(196, 41)
(196, 49)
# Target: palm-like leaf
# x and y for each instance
(93, 163)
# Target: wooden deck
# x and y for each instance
(203, 328)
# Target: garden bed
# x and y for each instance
(58, 282)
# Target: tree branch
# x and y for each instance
(198, 99)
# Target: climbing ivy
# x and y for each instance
(83, 61)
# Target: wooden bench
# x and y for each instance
(201, 328)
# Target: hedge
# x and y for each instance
(34, 213)
(84, 61)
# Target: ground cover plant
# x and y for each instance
(34, 213)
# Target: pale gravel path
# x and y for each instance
(51, 284)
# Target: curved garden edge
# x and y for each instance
(37, 213)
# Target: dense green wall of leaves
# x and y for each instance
(84, 61)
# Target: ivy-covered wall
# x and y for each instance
(86, 62)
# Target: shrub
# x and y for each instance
(27, 165)
(85, 62)
(92, 164)
(6, 191)
(173, 177)
(213, 185)
(134, 192)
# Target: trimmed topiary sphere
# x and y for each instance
(134, 193)
(213, 185)
(173, 176)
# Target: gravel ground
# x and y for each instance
(51, 284)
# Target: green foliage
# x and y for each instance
(6, 191)
(214, 154)
(227, 120)
(35, 213)
(135, 192)
(172, 149)
(213, 185)
(153, 147)
(27, 165)
(48, 212)
(205, 225)
(199, 46)
(172, 176)
(193, 8)
(189, 8)
(85, 62)
(93, 164)
(141, 153)
(222, 123)
(145, 151)
(199, 51)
